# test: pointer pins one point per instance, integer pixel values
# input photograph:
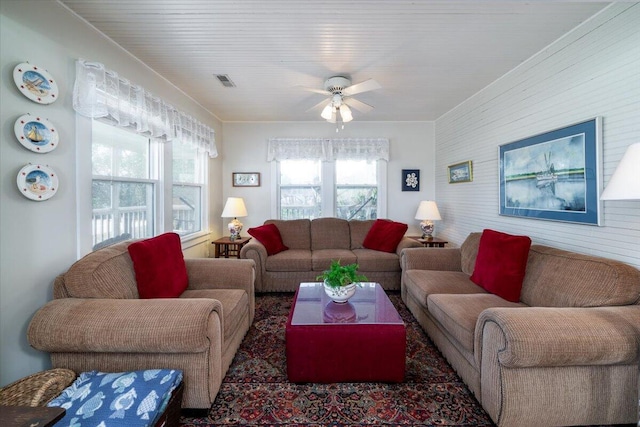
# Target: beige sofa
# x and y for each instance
(313, 244)
(97, 322)
(566, 354)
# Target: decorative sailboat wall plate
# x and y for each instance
(37, 182)
(36, 133)
(35, 83)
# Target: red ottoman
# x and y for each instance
(363, 340)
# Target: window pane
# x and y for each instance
(122, 210)
(356, 189)
(186, 163)
(300, 189)
(186, 209)
(300, 202)
(118, 152)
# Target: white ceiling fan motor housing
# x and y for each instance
(336, 84)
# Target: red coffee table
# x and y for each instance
(363, 340)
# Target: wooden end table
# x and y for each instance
(225, 247)
(432, 242)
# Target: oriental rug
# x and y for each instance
(255, 391)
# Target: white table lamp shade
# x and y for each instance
(428, 210)
(234, 208)
(625, 181)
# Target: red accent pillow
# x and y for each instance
(501, 264)
(159, 266)
(270, 237)
(384, 235)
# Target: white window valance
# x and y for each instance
(369, 149)
(101, 93)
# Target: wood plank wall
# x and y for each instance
(594, 70)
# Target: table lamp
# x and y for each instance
(427, 212)
(625, 181)
(234, 208)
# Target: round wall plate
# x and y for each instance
(36, 134)
(37, 182)
(35, 83)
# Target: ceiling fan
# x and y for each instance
(340, 92)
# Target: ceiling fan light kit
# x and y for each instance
(340, 92)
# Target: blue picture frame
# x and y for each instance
(410, 179)
(554, 175)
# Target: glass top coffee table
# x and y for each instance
(362, 340)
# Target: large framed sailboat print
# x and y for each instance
(554, 175)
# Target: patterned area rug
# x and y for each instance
(255, 391)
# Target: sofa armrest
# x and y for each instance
(550, 336)
(443, 259)
(127, 325)
(256, 251)
(221, 273)
(407, 243)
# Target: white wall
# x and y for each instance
(592, 71)
(412, 146)
(38, 239)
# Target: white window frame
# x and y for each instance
(202, 172)
(328, 188)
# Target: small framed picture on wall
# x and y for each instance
(246, 179)
(410, 179)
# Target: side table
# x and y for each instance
(432, 242)
(225, 247)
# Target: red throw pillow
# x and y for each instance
(270, 237)
(501, 264)
(159, 266)
(384, 235)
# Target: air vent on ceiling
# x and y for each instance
(225, 80)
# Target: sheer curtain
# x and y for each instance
(101, 93)
(369, 149)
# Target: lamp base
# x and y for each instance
(235, 227)
(427, 229)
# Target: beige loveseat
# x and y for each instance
(97, 322)
(566, 354)
(313, 244)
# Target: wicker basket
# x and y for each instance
(37, 389)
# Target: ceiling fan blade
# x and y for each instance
(358, 105)
(364, 86)
(310, 89)
(319, 104)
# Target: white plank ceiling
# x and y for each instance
(428, 56)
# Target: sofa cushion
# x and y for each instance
(501, 263)
(330, 233)
(235, 306)
(105, 273)
(296, 233)
(321, 259)
(559, 278)
(159, 266)
(269, 236)
(469, 252)
(422, 283)
(358, 230)
(291, 260)
(384, 235)
(458, 313)
(370, 260)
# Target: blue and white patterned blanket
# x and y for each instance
(131, 399)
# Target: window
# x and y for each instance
(300, 189)
(124, 185)
(188, 188)
(356, 189)
(343, 188)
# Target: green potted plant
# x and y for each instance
(340, 281)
